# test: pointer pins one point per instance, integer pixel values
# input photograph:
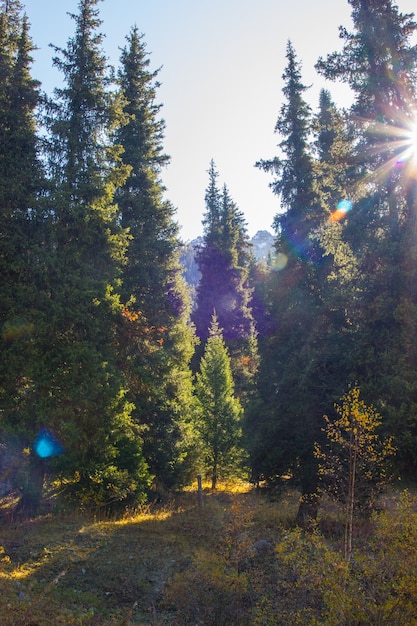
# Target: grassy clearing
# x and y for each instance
(237, 561)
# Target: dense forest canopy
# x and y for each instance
(110, 363)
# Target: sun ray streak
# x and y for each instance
(394, 148)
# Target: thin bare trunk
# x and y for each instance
(200, 491)
(350, 504)
(214, 473)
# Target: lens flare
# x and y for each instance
(413, 135)
(409, 152)
(46, 445)
(396, 147)
(280, 261)
(343, 207)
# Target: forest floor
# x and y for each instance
(238, 560)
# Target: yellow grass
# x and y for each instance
(235, 561)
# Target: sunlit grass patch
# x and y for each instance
(230, 486)
(175, 562)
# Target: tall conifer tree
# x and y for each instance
(21, 240)
(337, 183)
(83, 399)
(219, 425)
(224, 261)
(281, 432)
(379, 63)
(160, 344)
(335, 167)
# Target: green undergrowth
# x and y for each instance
(238, 560)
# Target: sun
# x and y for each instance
(406, 144)
(396, 147)
(411, 139)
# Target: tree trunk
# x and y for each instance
(30, 501)
(214, 473)
(200, 491)
(350, 504)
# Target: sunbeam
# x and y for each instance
(395, 145)
(409, 152)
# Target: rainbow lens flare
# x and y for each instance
(342, 209)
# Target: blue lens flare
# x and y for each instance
(46, 445)
(343, 207)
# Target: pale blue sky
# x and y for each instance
(221, 65)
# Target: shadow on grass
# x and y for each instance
(73, 570)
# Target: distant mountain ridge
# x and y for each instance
(263, 245)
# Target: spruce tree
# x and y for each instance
(335, 168)
(208, 256)
(338, 184)
(21, 244)
(224, 262)
(219, 423)
(381, 225)
(293, 172)
(157, 354)
(292, 386)
(82, 389)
